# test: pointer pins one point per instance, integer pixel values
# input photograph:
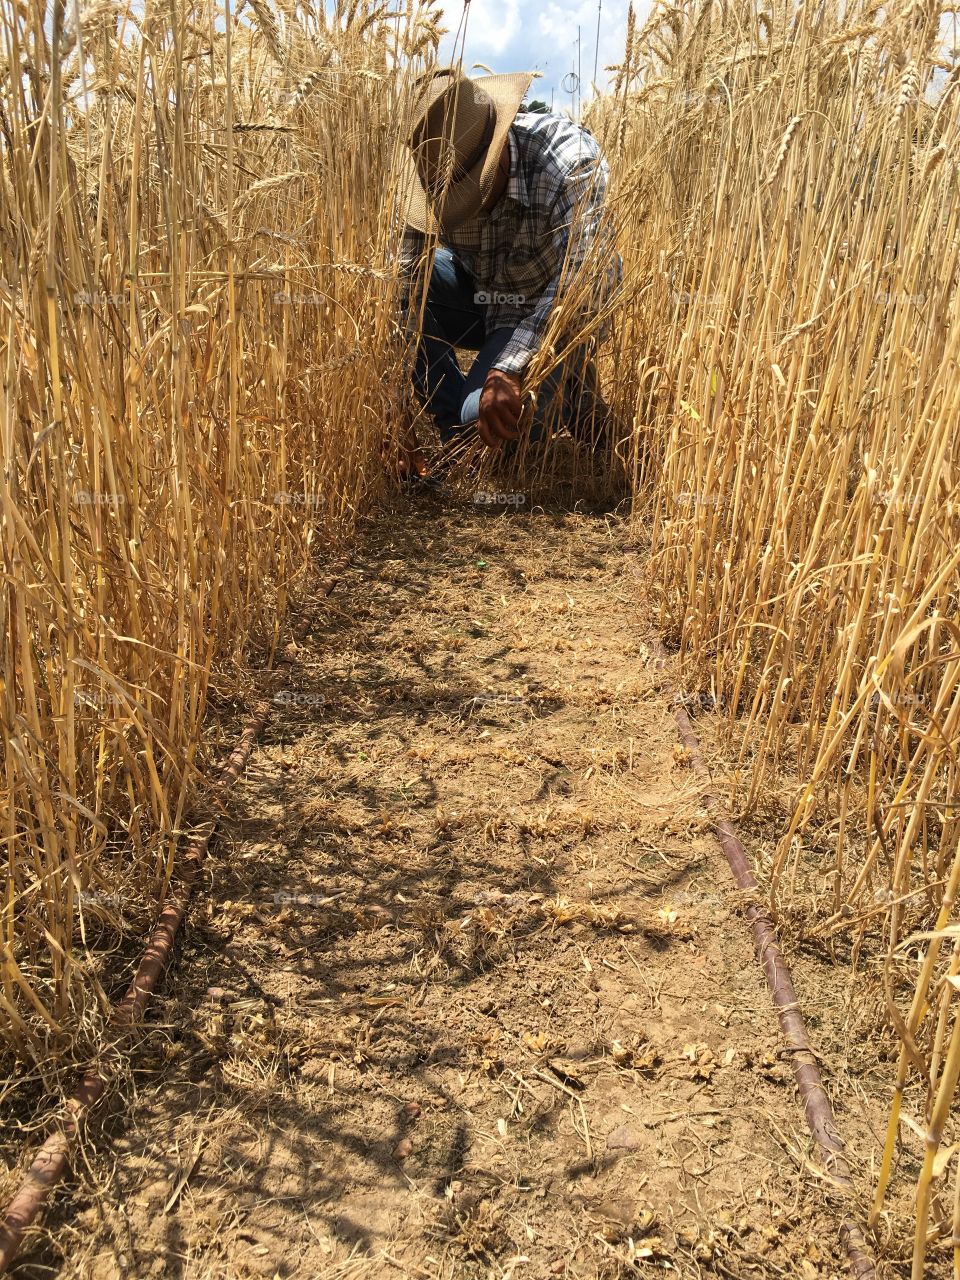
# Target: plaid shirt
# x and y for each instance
(549, 215)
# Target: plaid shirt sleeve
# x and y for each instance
(575, 217)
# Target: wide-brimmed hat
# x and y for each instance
(456, 141)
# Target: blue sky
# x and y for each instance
(517, 35)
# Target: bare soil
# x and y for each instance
(466, 992)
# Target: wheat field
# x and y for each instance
(199, 357)
(203, 363)
(787, 188)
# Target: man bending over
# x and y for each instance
(512, 200)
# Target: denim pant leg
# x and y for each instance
(585, 412)
(451, 319)
(565, 393)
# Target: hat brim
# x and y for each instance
(463, 200)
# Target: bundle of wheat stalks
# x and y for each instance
(786, 186)
(200, 358)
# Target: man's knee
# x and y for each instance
(449, 312)
(450, 284)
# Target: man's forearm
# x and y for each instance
(577, 218)
(527, 336)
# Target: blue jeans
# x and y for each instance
(452, 318)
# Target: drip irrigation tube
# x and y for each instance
(816, 1103)
(50, 1162)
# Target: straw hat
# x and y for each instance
(456, 142)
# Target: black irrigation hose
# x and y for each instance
(50, 1163)
(816, 1103)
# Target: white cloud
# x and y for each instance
(491, 26)
(518, 35)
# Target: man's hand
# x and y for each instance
(500, 406)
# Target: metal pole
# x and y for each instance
(596, 47)
(578, 69)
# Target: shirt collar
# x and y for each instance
(516, 183)
(516, 188)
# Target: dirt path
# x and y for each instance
(469, 994)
